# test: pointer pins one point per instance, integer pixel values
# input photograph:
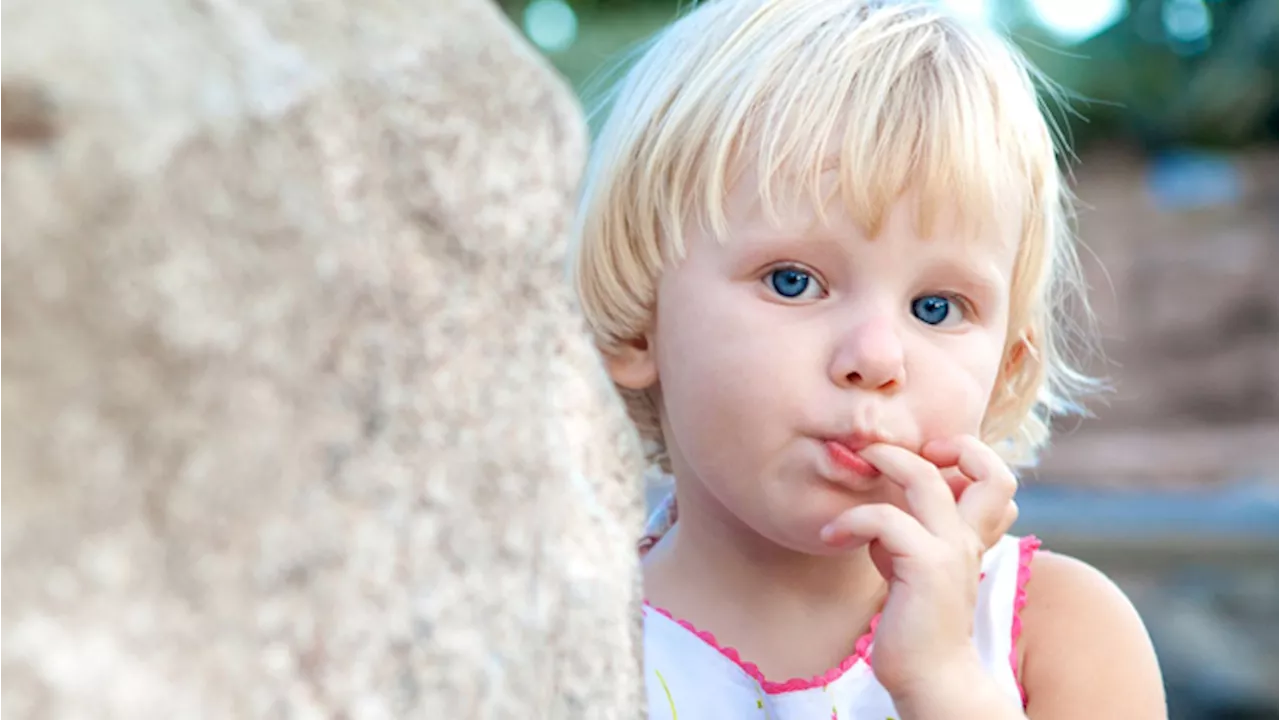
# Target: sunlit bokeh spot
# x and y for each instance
(1186, 21)
(551, 24)
(1074, 21)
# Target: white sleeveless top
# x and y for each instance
(690, 676)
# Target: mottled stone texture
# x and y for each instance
(298, 419)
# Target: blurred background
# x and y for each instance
(1171, 487)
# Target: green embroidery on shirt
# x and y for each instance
(760, 702)
(667, 690)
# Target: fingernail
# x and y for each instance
(828, 533)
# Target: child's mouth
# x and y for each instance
(845, 457)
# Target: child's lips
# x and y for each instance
(846, 457)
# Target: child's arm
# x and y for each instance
(1085, 652)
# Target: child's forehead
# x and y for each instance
(792, 205)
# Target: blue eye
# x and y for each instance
(790, 282)
(932, 309)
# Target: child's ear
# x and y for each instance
(632, 364)
(1019, 352)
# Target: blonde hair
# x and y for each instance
(913, 99)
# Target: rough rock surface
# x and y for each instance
(299, 421)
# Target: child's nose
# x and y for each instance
(869, 356)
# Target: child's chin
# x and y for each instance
(804, 535)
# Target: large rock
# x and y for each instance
(299, 421)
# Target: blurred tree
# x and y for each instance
(1139, 82)
(1167, 73)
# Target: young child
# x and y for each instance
(824, 248)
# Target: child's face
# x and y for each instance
(771, 344)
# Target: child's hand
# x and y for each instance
(931, 558)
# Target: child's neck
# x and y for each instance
(760, 597)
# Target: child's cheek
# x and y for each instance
(954, 408)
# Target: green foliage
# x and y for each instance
(1132, 83)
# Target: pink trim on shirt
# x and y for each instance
(861, 652)
(1027, 547)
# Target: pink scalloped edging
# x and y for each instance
(861, 652)
(646, 544)
(1027, 548)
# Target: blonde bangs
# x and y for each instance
(903, 98)
(864, 101)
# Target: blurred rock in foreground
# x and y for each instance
(298, 420)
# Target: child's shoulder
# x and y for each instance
(1083, 644)
(1063, 592)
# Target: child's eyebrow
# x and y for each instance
(982, 279)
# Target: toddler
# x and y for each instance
(825, 251)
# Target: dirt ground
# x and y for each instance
(1186, 302)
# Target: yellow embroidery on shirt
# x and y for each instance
(667, 690)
